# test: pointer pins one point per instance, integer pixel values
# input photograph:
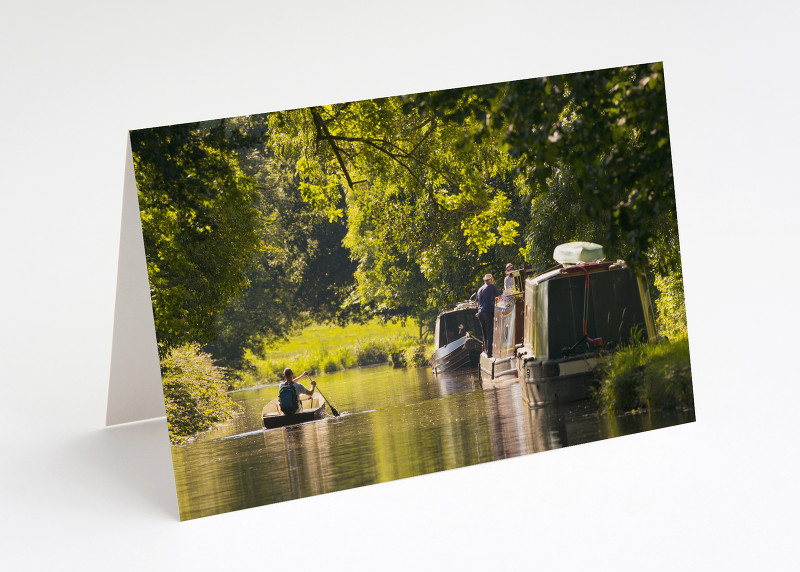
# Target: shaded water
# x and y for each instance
(395, 423)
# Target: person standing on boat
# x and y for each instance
(508, 285)
(487, 296)
(289, 382)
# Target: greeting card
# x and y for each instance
(352, 293)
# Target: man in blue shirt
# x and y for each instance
(487, 295)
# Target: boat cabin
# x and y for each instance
(458, 339)
(573, 316)
(456, 323)
(501, 367)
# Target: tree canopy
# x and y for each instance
(603, 133)
(426, 208)
(230, 241)
(397, 206)
(199, 227)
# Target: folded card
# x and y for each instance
(348, 294)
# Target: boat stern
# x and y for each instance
(496, 371)
(557, 381)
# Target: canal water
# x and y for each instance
(394, 423)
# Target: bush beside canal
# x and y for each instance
(195, 392)
(647, 376)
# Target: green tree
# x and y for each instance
(199, 225)
(415, 193)
(556, 217)
(195, 392)
(303, 273)
(607, 128)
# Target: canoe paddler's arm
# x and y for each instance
(311, 392)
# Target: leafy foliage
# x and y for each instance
(303, 273)
(647, 376)
(199, 226)
(671, 306)
(195, 392)
(230, 241)
(607, 128)
(427, 211)
(556, 218)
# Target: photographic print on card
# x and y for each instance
(353, 293)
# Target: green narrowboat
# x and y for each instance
(574, 316)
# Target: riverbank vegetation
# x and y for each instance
(671, 306)
(647, 376)
(327, 348)
(652, 376)
(394, 208)
(195, 392)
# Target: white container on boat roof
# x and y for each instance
(575, 252)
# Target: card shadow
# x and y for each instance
(135, 457)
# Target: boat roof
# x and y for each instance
(461, 306)
(570, 269)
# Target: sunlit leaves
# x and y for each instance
(195, 392)
(490, 225)
(199, 227)
(414, 190)
(607, 127)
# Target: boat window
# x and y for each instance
(449, 330)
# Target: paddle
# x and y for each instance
(333, 409)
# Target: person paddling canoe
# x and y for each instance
(289, 392)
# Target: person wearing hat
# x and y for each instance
(508, 284)
(487, 296)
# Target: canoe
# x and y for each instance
(312, 408)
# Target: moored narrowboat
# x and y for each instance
(458, 339)
(501, 367)
(574, 315)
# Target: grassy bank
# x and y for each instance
(325, 349)
(647, 376)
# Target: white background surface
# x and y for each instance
(719, 494)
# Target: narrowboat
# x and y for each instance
(311, 408)
(501, 367)
(458, 339)
(574, 316)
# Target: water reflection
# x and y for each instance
(561, 425)
(505, 421)
(457, 381)
(395, 423)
